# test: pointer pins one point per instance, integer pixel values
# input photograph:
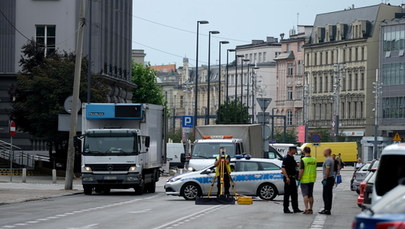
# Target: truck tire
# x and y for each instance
(106, 190)
(139, 189)
(87, 189)
(98, 190)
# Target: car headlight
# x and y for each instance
(174, 179)
(191, 169)
(132, 169)
(87, 169)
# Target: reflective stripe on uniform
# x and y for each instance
(309, 175)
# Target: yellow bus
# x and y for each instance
(348, 150)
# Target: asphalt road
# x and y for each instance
(123, 209)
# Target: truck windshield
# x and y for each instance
(211, 150)
(110, 145)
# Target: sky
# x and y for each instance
(166, 29)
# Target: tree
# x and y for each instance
(233, 112)
(147, 90)
(41, 89)
(291, 136)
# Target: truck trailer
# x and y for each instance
(236, 139)
(122, 146)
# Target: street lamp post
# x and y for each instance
(241, 80)
(227, 72)
(207, 116)
(236, 74)
(219, 77)
(250, 78)
(196, 73)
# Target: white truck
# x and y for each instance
(236, 139)
(122, 146)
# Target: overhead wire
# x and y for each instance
(12, 25)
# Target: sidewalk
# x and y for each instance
(36, 188)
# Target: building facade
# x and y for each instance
(290, 77)
(341, 60)
(391, 99)
(53, 25)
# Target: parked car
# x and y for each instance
(174, 154)
(390, 170)
(253, 177)
(388, 212)
(366, 190)
(358, 176)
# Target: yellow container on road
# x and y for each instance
(347, 149)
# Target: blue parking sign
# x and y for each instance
(187, 121)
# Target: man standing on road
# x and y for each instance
(289, 169)
(327, 182)
(307, 178)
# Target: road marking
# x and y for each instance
(84, 227)
(318, 222)
(76, 212)
(181, 220)
(141, 211)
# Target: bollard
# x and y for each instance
(24, 175)
(54, 176)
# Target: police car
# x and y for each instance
(252, 177)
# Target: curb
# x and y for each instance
(77, 192)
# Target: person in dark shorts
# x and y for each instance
(307, 178)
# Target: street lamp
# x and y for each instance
(207, 117)
(219, 76)
(241, 80)
(196, 73)
(236, 74)
(253, 94)
(227, 72)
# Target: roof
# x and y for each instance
(368, 13)
(285, 55)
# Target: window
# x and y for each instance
(315, 85)
(361, 110)
(268, 166)
(250, 57)
(181, 101)
(298, 92)
(344, 84)
(299, 47)
(363, 53)
(243, 166)
(327, 57)
(289, 118)
(349, 82)
(393, 107)
(393, 74)
(320, 58)
(255, 58)
(289, 93)
(356, 82)
(332, 57)
(288, 47)
(326, 84)
(290, 69)
(320, 84)
(356, 50)
(260, 57)
(300, 70)
(315, 59)
(264, 56)
(362, 81)
(45, 38)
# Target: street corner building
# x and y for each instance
(53, 24)
(341, 65)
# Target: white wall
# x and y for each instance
(62, 13)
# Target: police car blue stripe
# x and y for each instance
(240, 178)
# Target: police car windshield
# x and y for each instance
(211, 150)
(109, 145)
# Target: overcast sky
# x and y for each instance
(166, 29)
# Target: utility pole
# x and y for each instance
(335, 122)
(377, 92)
(89, 56)
(76, 89)
(306, 110)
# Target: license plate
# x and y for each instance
(110, 178)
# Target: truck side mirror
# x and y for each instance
(77, 143)
(183, 158)
(147, 142)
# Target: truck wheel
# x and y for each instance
(151, 187)
(98, 190)
(87, 189)
(190, 191)
(139, 189)
(267, 191)
(106, 190)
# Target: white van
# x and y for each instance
(174, 154)
(282, 149)
(390, 170)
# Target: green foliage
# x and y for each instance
(175, 136)
(147, 90)
(42, 87)
(291, 136)
(233, 112)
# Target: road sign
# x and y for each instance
(397, 137)
(68, 104)
(187, 121)
(12, 128)
(263, 118)
(264, 103)
(186, 130)
(316, 138)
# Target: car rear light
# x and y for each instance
(354, 224)
(391, 225)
